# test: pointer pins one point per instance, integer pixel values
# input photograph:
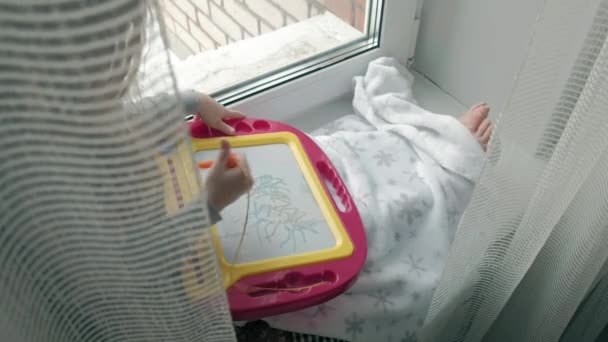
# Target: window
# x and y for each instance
(234, 49)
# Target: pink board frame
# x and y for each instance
(334, 277)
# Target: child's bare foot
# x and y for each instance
(477, 121)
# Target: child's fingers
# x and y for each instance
(233, 161)
(224, 128)
(222, 158)
(244, 165)
(233, 114)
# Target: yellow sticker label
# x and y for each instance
(181, 181)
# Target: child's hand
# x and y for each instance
(224, 184)
(213, 114)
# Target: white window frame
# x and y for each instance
(400, 24)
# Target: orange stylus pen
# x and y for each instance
(233, 161)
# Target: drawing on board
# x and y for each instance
(284, 216)
(273, 210)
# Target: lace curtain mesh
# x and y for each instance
(89, 248)
(591, 318)
(91, 251)
(530, 249)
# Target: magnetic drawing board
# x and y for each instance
(292, 221)
(284, 216)
(268, 280)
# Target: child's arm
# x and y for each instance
(210, 111)
(214, 215)
(224, 184)
(233, 161)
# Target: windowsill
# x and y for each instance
(217, 69)
(428, 95)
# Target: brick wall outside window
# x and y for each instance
(195, 26)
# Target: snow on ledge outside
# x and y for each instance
(216, 69)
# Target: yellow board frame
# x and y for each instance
(344, 246)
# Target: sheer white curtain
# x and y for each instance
(529, 259)
(89, 248)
